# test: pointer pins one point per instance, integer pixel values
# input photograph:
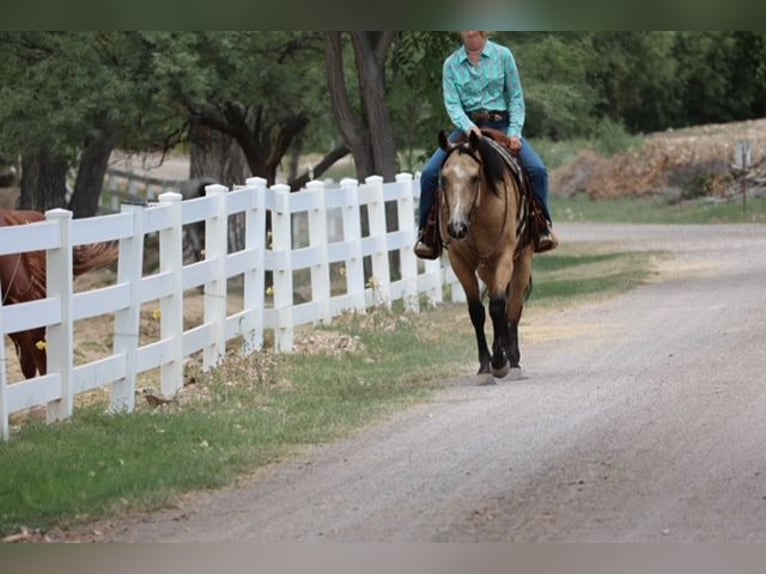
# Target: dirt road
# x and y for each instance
(648, 423)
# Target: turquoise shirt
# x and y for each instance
(493, 84)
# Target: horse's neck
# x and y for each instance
(504, 202)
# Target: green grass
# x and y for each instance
(262, 408)
(657, 210)
(560, 275)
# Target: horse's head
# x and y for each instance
(460, 182)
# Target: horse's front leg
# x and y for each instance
(477, 313)
(499, 363)
(466, 274)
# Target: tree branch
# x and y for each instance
(287, 132)
(325, 163)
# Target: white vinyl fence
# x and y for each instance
(330, 247)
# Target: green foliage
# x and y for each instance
(62, 87)
(415, 94)
(68, 83)
(610, 137)
(559, 100)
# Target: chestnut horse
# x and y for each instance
(484, 220)
(22, 276)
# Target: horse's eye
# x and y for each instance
(474, 179)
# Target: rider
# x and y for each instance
(482, 89)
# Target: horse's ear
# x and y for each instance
(473, 140)
(443, 142)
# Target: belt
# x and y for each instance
(488, 116)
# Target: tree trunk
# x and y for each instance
(295, 157)
(43, 181)
(371, 49)
(90, 175)
(354, 130)
(218, 156)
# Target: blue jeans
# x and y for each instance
(530, 161)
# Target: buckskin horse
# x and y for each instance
(484, 222)
(22, 276)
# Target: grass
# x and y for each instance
(657, 210)
(259, 409)
(558, 276)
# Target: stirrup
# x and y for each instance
(424, 251)
(548, 241)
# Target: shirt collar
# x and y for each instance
(484, 53)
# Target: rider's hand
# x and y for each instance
(515, 144)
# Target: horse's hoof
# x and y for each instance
(515, 374)
(502, 372)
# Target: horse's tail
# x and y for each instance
(93, 256)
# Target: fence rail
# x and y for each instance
(316, 230)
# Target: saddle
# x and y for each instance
(532, 220)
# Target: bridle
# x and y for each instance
(483, 258)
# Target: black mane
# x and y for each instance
(492, 163)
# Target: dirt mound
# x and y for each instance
(696, 161)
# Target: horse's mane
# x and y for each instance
(493, 164)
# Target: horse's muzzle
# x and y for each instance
(457, 229)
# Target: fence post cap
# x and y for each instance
(58, 213)
(215, 188)
(170, 196)
(315, 184)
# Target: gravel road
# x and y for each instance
(644, 419)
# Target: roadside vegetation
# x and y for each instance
(256, 410)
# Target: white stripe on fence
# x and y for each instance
(327, 210)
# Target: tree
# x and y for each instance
(76, 96)
(560, 102)
(366, 126)
(258, 88)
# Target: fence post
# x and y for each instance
(282, 236)
(5, 431)
(255, 236)
(406, 219)
(320, 271)
(59, 337)
(216, 249)
(742, 163)
(381, 272)
(127, 322)
(352, 234)
(171, 306)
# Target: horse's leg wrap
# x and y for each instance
(500, 342)
(477, 313)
